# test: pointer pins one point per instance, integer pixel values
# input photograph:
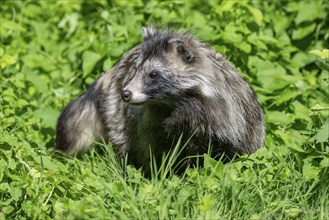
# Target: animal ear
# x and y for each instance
(148, 32)
(183, 50)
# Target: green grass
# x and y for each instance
(52, 50)
(261, 186)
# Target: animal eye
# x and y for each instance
(181, 49)
(154, 74)
(186, 55)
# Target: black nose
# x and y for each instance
(126, 95)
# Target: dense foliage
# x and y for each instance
(52, 50)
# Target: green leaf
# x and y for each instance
(9, 138)
(231, 34)
(15, 193)
(323, 64)
(244, 46)
(318, 107)
(301, 111)
(300, 59)
(10, 25)
(108, 63)
(323, 133)
(8, 209)
(197, 19)
(281, 23)
(207, 202)
(310, 172)
(35, 79)
(7, 60)
(275, 79)
(89, 61)
(71, 21)
(321, 53)
(324, 163)
(293, 212)
(277, 117)
(48, 116)
(257, 14)
(225, 6)
(310, 12)
(254, 39)
(286, 95)
(298, 148)
(302, 32)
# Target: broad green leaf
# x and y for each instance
(324, 163)
(9, 138)
(281, 23)
(286, 95)
(225, 6)
(36, 59)
(48, 115)
(323, 133)
(318, 107)
(323, 64)
(35, 173)
(301, 111)
(198, 19)
(298, 148)
(273, 81)
(257, 14)
(244, 46)
(269, 39)
(46, 162)
(300, 59)
(12, 164)
(254, 39)
(117, 51)
(108, 63)
(280, 118)
(32, 10)
(7, 60)
(8, 209)
(89, 61)
(283, 135)
(207, 202)
(71, 21)
(293, 212)
(310, 172)
(310, 12)
(7, 25)
(321, 53)
(15, 193)
(231, 34)
(212, 164)
(302, 32)
(35, 79)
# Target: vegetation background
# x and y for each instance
(52, 50)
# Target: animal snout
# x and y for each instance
(126, 95)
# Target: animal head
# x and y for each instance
(171, 65)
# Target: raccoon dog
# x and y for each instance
(169, 87)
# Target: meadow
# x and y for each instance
(51, 51)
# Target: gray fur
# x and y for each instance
(178, 85)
